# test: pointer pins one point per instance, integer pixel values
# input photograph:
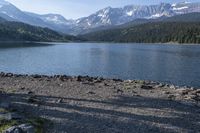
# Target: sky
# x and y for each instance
(73, 9)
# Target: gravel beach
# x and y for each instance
(95, 105)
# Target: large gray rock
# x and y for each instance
(23, 128)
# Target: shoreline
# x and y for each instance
(94, 104)
(99, 42)
(59, 76)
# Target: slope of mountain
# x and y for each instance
(174, 29)
(17, 31)
(189, 17)
(55, 22)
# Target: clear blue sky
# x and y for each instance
(79, 8)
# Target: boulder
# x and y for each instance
(183, 91)
(147, 87)
(23, 128)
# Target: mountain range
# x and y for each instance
(104, 18)
(184, 28)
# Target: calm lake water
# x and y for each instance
(175, 64)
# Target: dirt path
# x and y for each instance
(88, 105)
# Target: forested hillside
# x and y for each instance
(158, 32)
(16, 31)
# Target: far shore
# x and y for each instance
(92, 104)
(99, 42)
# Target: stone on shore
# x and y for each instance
(23, 128)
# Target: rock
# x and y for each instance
(119, 91)
(105, 84)
(30, 92)
(79, 79)
(62, 78)
(98, 80)
(8, 74)
(23, 128)
(36, 76)
(183, 91)
(33, 99)
(134, 92)
(160, 85)
(2, 74)
(91, 92)
(171, 97)
(14, 129)
(59, 100)
(197, 91)
(27, 128)
(147, 87)
(88, 83)
(22, 88)
(128, 81)
(190, 97)
(172, 87)
(117, 80)
(166, 92)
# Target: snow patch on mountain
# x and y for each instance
(180, 8)
(154, 16)
(130, 13)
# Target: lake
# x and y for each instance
(177, 64)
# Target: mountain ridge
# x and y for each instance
(102, 18)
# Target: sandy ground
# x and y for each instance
(95, 105)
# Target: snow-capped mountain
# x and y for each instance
(117, 16)
(52, 18)
(53, 21)
(106, 17)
